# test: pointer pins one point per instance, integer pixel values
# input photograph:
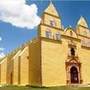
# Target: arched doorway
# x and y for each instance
(74, 75)
(11, 78)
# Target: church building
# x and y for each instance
(56, 57)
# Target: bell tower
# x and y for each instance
(49, 34)
(83, 32)
(50, 23)
(82, 27)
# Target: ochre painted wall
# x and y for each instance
(35, 63)
(3, 71)
(16, 68)
(24, 66)
(53, 62)
(84, 57)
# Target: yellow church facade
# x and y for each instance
(56, 57)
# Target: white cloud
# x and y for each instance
(0, 39)
(1, 49)
(18, 13)
(2, 55)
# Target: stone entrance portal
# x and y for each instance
(73, 72)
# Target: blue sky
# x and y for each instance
(69, 11)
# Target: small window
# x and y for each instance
(48, 34)
(58, 36)
(72, 51)
(52, 23)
